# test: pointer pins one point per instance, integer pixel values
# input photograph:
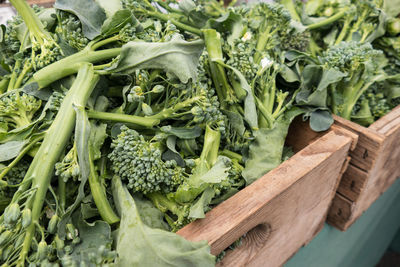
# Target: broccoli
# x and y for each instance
(70, 29)
(18, 109)
(139, 163)
(362, 66)
(13, 177)
(41, 169)
(68, 167)
(45, 50)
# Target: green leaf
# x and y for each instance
(92, 235)
(115, 23)
(198, 17)
(110, 6)
(152, 247)
(150, 215)
(97, 136)
(197, 211)
(265, 151)
(177, 57)
(314, 88)
(231, 23)
(90, 13)
(364, 116)
(183, 133)
(392, 7)
(11, 149)
(200, 180)
(250, 111)
(321, 120)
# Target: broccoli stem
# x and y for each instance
(27, 67)
(213, 44)
(343, 32)
(292, 9)
(62, 194)
(99, 193)
(32, 21)
(117, 117)
(328, 21)
(56, 138)
(350, 99)
(231, 155)
(70, 65)
(211, 145)
(4, 85)
(14, 75)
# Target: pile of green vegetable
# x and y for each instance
(123, 121)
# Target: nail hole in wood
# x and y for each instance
(365, 155)
(352, 185)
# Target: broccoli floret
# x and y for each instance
(45, 49)
(139, 163)
(70, 29)
(354, 60)
(69, 167)
(13, 177)
(176, 214)
(18, 109)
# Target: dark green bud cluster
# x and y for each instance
(378, 103)
(139, 163)
(45, 53)
(241, 58)
(208, 109)
(294, 40)
(18, 109)
(70, 29)
(128, 33)
(349, 55)
(13, 177)
(276, 14)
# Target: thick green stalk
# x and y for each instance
(350, 99)
(327, 21)
(3, 85)
(213, 44)
(343, 32)
(70, 65)
(124, 118)
(210, 150)
(99, 193)
(56, 139)
(31, 20)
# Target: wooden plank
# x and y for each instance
(363, 183)
(369, 144)
(285, 208)
(353, 182)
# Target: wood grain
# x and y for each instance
(281, 211)
(363, 182)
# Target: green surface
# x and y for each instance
(363, 244)
(395, 246)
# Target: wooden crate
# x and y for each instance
(374, 166)
(284, 209)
